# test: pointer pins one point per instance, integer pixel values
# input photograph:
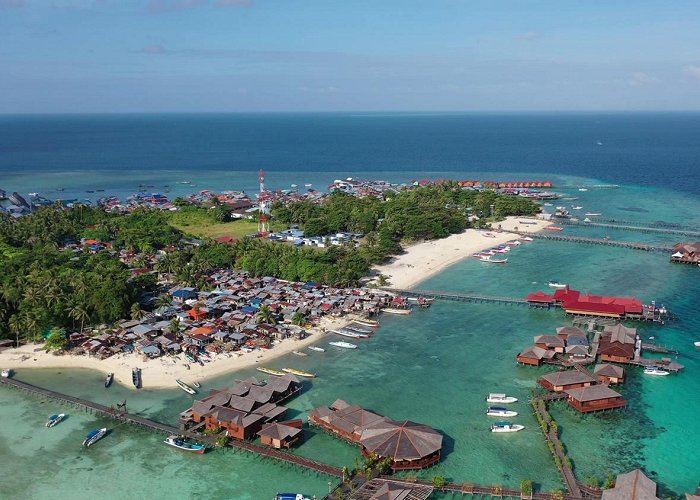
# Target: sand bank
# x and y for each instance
(161, 372)
(423, 260)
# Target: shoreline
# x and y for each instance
(424, 260)
(160, 373)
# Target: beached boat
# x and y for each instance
(557, 285)
(514, 243)
(270, 371)
(506, 427)
(393, 310)
(553, 228)
(299, 353)
(317, 349)
(655, 370)
(55, 419)
(197, 384)
(488, 235)
(300, 373)
(351, 335)
(185, 387)
(344, 345)
(490, 260)
(527, 239)
(367, 322)
(108, 379)
(359, 330)
(136, 377)
(181, 443)
(499, 411)
(496, 397)
(6, 373)
(529, 222)
(94, 436)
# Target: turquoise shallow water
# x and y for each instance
(434, 367)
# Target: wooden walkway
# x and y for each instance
(630, 227)
(111, 412)
(599, 241)
(459, 297)
(658, 223)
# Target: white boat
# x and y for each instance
(357, 329)
(499, 411)
(697, 344)
(506, 427)
(548, 205)
(54, 419)
(6, 372)
(351, 335)
(592, 214)
(300, 373)
(496, 397)
(308, 185)
(94, 436)
(488, 235)
(575, 207)
(318, 349)
(185, 387)
(526, 238)
(299, 353)
(655, 370)
(490, 260)
(583, 189)
(344, 345)
(367, 322)
(515, 243)
(393, 310)
(557, 285)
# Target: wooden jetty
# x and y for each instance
(600, 241)
(629, 227)
(458, 297)
(123, 416)
(657, 223)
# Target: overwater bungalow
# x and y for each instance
(686, 253)
(618, 344)
(281, 434)
(632, 485)
(594, 398)
(609, 374)
(535, 356)
(565, 380)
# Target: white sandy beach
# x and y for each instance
(161, 372)
(423, 260)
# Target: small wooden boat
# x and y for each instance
(108, 379)
(359, 330)
(55, 419)
(136, 377)
(367, 322)
(300, 373)
(393, 310)
(94, 436)
(352, 335)
(490, 260)
(500, 398)
(344, 345)
(185, 387)
(197, 384)
(270, 371)
(299, 353)
(506, 427)
(317, 349)
(181, 443)
(553, 228)
(6, 373)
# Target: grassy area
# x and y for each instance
(199, 223)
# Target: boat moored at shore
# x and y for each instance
(499, 411)
(656, 371)
(394, 310)
(316, 348)
(183, 444)
(300, 373)
(496, 397)
(108, 379)
(136, 377)
(344, 345)
(270, 371)
(185, 387)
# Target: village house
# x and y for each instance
(534, 356)
(594, 398)
(551, 342)
(609, 374)
(686, 253)
(561, 381)
(281, 434)
(618, 344)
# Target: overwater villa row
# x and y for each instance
(686, 253)
(226, 319)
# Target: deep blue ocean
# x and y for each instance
(645, 149)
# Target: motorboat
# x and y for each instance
(506, 427)
(655, 370)
(108, 379)
(300, 373)
(367, 322)
(553, 228)
(490, 260)
(55, 419)
(270, 371)
(352, 335)
(344, 345)
(136, 377)
(394, 310)
(576, 207)
(499, 411)
(6, 373)
(291, 496)
(317, 349)
(181, 443)
(299, 353)
(696, 344)
(557, 285)
(592, 214)
(583, 190)
(185, 387)
(94, 436)
(496, 397)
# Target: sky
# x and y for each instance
(95, 56)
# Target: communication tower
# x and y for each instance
(263, 211)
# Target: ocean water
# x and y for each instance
(435, 366)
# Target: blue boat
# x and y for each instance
(291, 496)
(94, 436)
(54, 419)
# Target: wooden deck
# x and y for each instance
(600, 241)
(459, 297)
(117, 414)
(631, 227)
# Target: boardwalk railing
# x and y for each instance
(599, 241)
(630, 227)
(459, 297)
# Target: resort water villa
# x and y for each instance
(408, 444)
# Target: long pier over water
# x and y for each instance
(599, 241)
(631, 227)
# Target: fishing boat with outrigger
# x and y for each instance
(495, 397)
(352, 335)
(394, 310)
(359, 330)
(108, 379)
(299, 353)
(499, 411)
(506, 427)
(270, 371)
(344, 345)
(94, 437)
(136, 377)
(185, 387)
(317, 349)
(181, 443)
(55, 419)
(367, 322)
(300, 373)
(557, 285)
(553, 228)
(527, 239)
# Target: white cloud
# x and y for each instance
(641, 79)
(692, 70)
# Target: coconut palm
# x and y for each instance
(136, 311)
(15, 324)
(164, 300)
(298, 319)
(265, 315)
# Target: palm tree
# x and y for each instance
(77, 312)
(265, 315)
(136, 311)
(298, 319)
(164, 300)
(31, 325)
(15, 324)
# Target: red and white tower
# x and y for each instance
(263, 211)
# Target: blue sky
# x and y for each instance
(327, 55)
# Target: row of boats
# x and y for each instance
(490, 256)
(501, 411)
